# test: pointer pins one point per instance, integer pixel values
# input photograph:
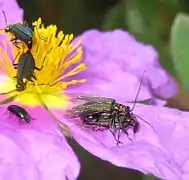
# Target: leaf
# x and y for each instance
(144, 21)
(115, 17)
(148, 177)
(180, 47)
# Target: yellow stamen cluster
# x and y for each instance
(54, 54)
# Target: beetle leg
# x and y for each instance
(25, 23)
(112, 127)
(15, 66)
(39, 69)
(21, 120)
(9, 115)
(16, 55)
(118, 137)
(30, 78)
(127, 134)
(15, 59)
(32, 118)
(13, 39)
(33, 76)
(114, 135)
(112, 124)
(17, 43)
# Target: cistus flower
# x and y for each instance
(52, 56)
(117, 60)
(39, 146)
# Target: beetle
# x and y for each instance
(25, 70)
(21, 31)
(105, 113)
(20, 112)
(102, 113)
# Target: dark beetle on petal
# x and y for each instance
(106, 113)
(20, 112)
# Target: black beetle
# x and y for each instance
(25, 70)
(20, 112)
(22, 32)
(105, 113)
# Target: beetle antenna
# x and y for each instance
(5, 17)
(145, 122)
(138, 91)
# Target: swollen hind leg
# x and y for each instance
(116, 137)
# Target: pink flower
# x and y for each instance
(115, 63)
(35, 151)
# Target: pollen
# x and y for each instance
(57, 61)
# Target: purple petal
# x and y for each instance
(13, 12)
(124, 91)
(111, 55)
(30, 152)
(163, 152)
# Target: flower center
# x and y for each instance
(56, 61)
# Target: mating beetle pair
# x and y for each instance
(23, 33)
(105, 113)
(26, 63)
(102, 113)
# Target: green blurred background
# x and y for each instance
(148, 20)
